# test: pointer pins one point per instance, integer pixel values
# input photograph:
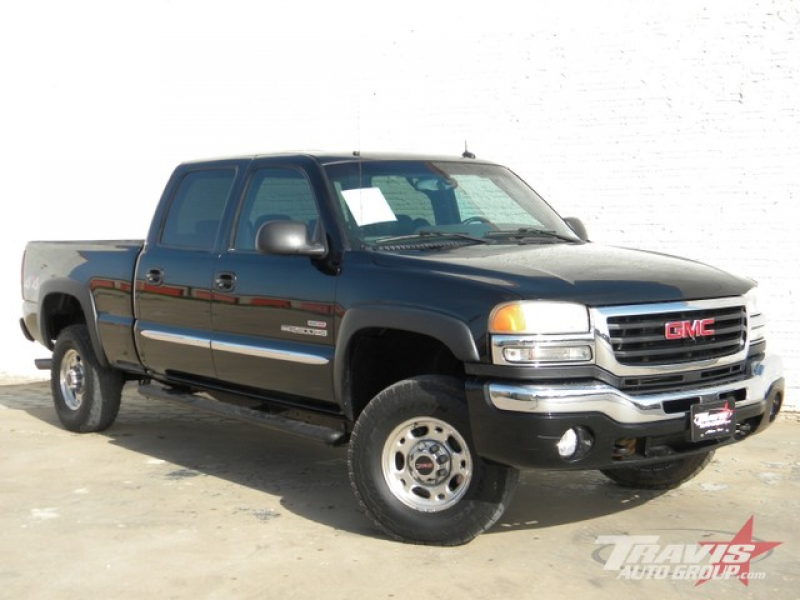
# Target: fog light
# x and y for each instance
(568, 444)
(575, 443)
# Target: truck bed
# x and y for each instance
(99, 273)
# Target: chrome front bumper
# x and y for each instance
(621, 407)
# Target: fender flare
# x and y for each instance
(69, 287)
(450, 331)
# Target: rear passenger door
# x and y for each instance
(273, 315)
(173, 277)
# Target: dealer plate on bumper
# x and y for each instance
(712, 420)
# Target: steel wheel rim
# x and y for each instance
(72, 379)
(427, 464)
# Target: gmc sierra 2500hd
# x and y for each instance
(434, 313)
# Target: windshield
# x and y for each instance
(389, 201)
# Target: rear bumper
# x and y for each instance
(521, 424)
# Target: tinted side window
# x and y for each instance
(196, 209)
(274, 194)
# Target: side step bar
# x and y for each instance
(321, 433)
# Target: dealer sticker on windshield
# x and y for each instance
(712, 420)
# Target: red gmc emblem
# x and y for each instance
(680, 330)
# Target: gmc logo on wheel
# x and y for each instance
(680, 330)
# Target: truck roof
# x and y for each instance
(328, 157)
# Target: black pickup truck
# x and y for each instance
(434, 313)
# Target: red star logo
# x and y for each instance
(734, 557)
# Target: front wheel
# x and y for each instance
(660, 476)
(86, 395)
(415, 471)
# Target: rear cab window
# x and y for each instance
(196, 209)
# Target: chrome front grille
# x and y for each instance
(641, 339)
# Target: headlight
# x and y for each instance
(541, 333)
(756, 321)
(751, 302)
(539, 317)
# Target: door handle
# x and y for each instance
(154, 276)
(225, 282)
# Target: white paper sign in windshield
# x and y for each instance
(368, 205)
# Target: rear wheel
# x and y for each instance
(415, 471)
(86, 395)
(660, 476)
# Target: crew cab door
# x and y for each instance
(174, 274)
(273, 315)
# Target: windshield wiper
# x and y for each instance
(431, 233)
(522, 233)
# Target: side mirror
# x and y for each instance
(287, 238)
(578, 227)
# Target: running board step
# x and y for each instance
(321, 433)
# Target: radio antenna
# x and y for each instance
(467, 153)
(357, 151)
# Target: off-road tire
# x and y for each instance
(660, 476)
(425, 417)
(86, 395)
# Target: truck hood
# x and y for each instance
(591, 274)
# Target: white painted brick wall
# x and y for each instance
(670, 127)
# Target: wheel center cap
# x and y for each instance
(75, 379)
(424, 465)
(429, 462)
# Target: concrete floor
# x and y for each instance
(169, 503)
